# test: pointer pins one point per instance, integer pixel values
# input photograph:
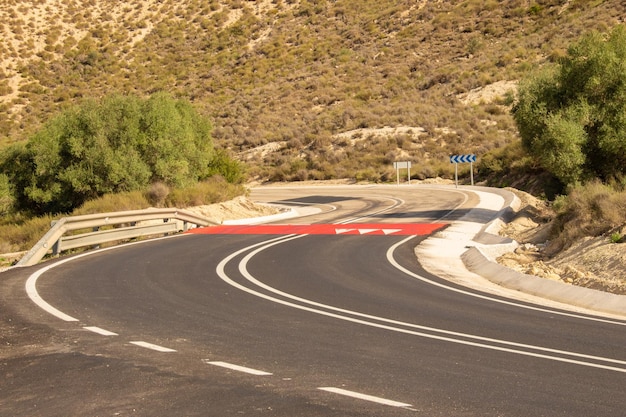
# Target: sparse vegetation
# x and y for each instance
(298, 72)
(19, 232)
(593, 209)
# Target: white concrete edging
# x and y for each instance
(456, 254)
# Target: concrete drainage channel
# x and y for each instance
(465, 253)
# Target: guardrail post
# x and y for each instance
(56, 248)
(96, 229)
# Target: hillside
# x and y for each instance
(298, 89)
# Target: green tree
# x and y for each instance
(229, 168)
(572, 116)
(120, 143)
(177, 144)
(6, 196)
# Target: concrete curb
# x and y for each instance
(479, 258)
(476, 261)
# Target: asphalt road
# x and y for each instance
(296, 325)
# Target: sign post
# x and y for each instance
(402, 165)
(456, 159)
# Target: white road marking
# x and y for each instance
(31, 290)
(365, 397)
(31, 282)
(237, 368)
(153, 346)
(399, 267)
(387, 324)
(100, 331)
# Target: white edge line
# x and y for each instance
(31, 282)
(237, 368)
(222, 274)
(31, 290)
(100, 331)
(365, 397)
(152, 346)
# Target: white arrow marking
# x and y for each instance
(390, 231)
(365, 231)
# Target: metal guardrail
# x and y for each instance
(142, 223)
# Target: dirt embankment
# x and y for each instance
(592, 262)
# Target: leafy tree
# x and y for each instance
(6, 197)
(230, 169)
(572, 116)
(120, 143)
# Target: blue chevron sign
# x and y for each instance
(455, 159)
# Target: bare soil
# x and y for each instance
(238, 208)
(592, 262)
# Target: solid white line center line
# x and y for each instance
(365, 397)
(152, 346)
(99, 330)
(237, 368)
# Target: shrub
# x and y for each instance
(571, 116)
(118, 144)
(616, 237)
(6, 197)
(588, 210)
(157, 194)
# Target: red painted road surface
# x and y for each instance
(415, 229)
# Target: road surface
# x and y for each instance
(343, 322)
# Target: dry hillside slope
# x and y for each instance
(296, 73)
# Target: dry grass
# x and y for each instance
(18, 233)
(594, 209)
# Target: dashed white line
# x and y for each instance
(364, 397)
(100, 331)
(153, 346)
(236, 368)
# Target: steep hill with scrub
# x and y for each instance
(298, 89)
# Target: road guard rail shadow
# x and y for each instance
(104, 228)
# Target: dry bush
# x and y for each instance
(214, 190)
(132, 200)
(21, 235)
(157, 194)
(592, 209)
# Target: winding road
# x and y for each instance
(328, 314)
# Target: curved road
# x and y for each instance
(298, 325)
